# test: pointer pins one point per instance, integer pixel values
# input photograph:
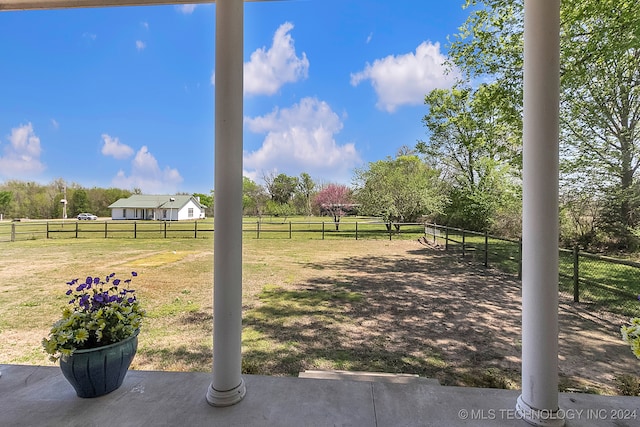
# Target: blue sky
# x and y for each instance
(124, 97)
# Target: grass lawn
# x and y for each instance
(372, 305)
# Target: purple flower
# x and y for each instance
(84, 301)
(134, 274)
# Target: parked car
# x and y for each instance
(87, 216)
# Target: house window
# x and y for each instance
(164, 213)
(190, 212)
(124, 213)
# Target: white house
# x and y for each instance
(158, 207)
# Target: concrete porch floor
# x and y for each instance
(40, 396)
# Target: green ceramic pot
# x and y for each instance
(97, 371)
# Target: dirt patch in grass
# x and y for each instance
(370, 305)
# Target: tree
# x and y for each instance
(206, 200)
(336, 200)
(578, 216)
(282, 210)
(254, 197)
(398, 190)
(281, 187)
(602, 129)
(474, 139)
(304, 192)
(600, 84)
(5, 200)
(79, 201)
(111, 195)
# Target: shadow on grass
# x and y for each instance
(421, 313)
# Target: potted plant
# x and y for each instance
(97, 336)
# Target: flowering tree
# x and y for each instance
(336, 200)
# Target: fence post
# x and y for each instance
(322, 230)
(47, 229)
(434, 232)
(76, 229)
(105, 229)
(195, 230)
(135, 229)
(576, 276)
(520, 258)
(356, 230)
(486, 248)
(289, 229)
(446, 238)
(13, 231)
(463, 243)
(165, 229)
(390, 225)
(258, 229)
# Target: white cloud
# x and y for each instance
(301, 139)
(369, 37)
(89, 36)
(55, 124)
(187, 9)
(147, 175)
(269, 69)
(21, 157)
(406, 79)
(114, 148)
(140, 45)
(145, 25)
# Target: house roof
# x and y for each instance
(141, 201)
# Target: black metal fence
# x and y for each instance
(604, 283)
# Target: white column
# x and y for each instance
(228, 386)
(538, 403)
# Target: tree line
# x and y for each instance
(27, 199)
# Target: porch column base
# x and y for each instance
(538, 417)
(228, 397)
